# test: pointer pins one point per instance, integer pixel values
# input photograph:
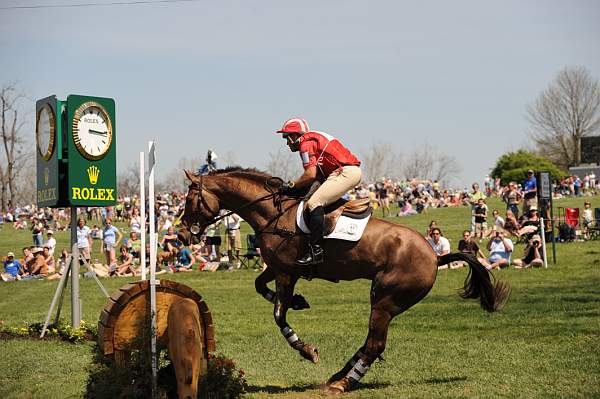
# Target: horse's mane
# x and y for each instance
(252, 173)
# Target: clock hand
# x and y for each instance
(96, 132)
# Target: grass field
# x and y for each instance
(544, 344)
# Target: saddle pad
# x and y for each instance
(346, 228)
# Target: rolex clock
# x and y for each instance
(48, 130)
(45, 131)
(92, 130)
(91, 147)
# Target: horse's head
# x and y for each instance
(201, 206)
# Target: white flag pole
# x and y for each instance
(143, 215)
(151, 162)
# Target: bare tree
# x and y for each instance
(566, 111)
(284, 164)
(426, 162)
(129, 180)
(13, 157)
(380, 160)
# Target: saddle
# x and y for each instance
(354, 209)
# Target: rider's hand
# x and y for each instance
(287, 188)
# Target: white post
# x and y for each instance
(543, 236)
(151, 162)
(143, 215)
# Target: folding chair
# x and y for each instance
(252, 258)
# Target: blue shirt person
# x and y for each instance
(185, 258)
(529, 192)
(12, 267)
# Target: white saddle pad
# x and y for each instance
(346, 228)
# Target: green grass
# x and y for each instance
(544, 344)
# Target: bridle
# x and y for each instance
(196, 228)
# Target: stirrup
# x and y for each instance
(313, 256)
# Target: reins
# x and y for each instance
(273, 193)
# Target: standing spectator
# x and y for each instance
(84, 240)
(529, 192)
(500, 251)
(381, 194)
(12, 268)
(480, 215)
(588, 219)
(233, 239)
(440, 244)
(111, 236)
(135, 222)
(36, 233)
(474, 197)
(512, 197)
(498, 221)
(213, 240)
(50, 242)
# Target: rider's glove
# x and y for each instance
(287, 188)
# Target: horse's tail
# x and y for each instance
(479, 282)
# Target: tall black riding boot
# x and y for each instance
(315, 252)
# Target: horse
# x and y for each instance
(397, 259)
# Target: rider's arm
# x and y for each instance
(307, 178)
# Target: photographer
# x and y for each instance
(500, 251)
(532, 255)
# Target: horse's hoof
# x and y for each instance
(310, 352)
(299, 303)
(338, 387)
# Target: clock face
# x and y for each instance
(92, 130)
(45, 126)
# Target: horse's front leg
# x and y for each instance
(298, 301)
(285, 290)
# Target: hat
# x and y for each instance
(49, 232)
(536, 237)
(530, 171)
(10, 254)
(36, 250)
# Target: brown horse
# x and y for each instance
(400, 263)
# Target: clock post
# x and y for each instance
(76, 166)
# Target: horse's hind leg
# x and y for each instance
(260, 284)
(285, 290)
(359, 364)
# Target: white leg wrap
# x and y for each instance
(289, 335)
(355, 358)
(358, 371)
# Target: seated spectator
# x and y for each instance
(13, 270)
(28, 259)
(96, 233)
(498, 220)
(170, 243)
(49, 259)
(500, 251)
(134, 245)
(511, 225)
(432, 225)
(530, 225)
(468, 246)
(39, 267)
(532, 255)
(125, 263)
(440, 244)
(407, 209)
(62, 265)
(185, 260)
(20, 224)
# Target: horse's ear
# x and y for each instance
(189, 175)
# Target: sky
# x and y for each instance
(195, 75)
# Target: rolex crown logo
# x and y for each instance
(93, 173)
(46, 176)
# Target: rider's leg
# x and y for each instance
(285, 289)
(336, 185)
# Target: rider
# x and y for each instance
(324, 159)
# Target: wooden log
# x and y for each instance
(125, 319)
